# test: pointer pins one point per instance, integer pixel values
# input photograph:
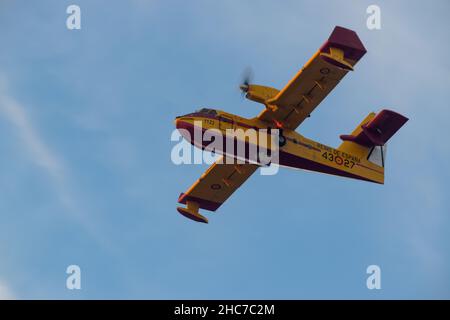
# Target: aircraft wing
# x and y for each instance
(295, 102)
(214, 187)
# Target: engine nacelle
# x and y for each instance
(259, 93)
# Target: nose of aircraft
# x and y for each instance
(184, 127)
(178, 121)
(182, 122)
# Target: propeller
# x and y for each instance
(247, 77)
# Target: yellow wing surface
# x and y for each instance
(214, 187)
(295, 102)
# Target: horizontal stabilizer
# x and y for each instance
(378, 130)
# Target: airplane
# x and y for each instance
(361, 155)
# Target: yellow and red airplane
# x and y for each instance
(360, 156)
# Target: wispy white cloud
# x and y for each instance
(16, 114)
(40, 152)
(5, 292)
(43, 156)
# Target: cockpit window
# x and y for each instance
(207, 111)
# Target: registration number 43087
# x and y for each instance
(338, 160)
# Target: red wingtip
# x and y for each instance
(348, 41)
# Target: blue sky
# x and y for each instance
(86, 176)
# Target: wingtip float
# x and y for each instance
(360, 156)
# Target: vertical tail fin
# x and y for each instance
(370, 136)
(352, 147)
